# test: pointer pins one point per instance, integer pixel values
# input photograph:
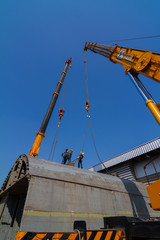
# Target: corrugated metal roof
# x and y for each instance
(135, 152)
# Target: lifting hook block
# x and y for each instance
(61, 112)
(87, 105)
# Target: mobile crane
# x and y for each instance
(137, 62)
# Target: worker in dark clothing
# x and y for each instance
(70, 151)
(67, 156)
(79, 159)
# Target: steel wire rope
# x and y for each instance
(54, 143)
(131, 39)
(88, 115)
(84, 134)
(75, 160)
(95, 144)
(86, 77)
(55, 140)
(86, 88)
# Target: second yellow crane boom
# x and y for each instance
(135, 62)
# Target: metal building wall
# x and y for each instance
(152, 172)
(130, 165)
(124, 170)
(131, 154)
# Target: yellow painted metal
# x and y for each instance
(80, 215)
(36, 145)
(139, 61)
(107, 235)
(60, 82)
(154, 194)
(154, 110)
(87, 105)
(39, 236)
(20, 235)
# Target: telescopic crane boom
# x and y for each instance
(40, 135)
(135, 62)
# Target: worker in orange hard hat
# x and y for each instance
(79, 159)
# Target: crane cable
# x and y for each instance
(87, 101)
(88, 114)
(55, 140)
(84, 134)
(131, 39)
(61, 112)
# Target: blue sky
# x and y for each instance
(37, 37)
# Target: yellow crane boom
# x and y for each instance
(41, 133)
(135, 62)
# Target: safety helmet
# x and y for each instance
(82, 153)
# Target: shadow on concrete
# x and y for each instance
(138, 203)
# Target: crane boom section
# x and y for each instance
(133, 60)
(41, 134)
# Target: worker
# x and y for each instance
(79, 159)
(67, 156)
(70, 154)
